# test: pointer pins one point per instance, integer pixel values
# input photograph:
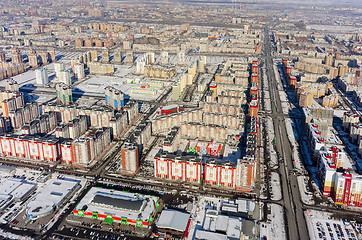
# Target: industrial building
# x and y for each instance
(217, 226)
(118, 206)
(244, 208)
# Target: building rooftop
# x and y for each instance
(50, 197)
(118, 203)
(172, 219)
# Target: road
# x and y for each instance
(295, 221)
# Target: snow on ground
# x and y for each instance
(96, 85)
(277, 75)
(307, 196)
(273, 159)
(292, 134)
(12, 236)
(274, 228)
(285, 107)
(38, 98)
(296, 159)
(321, 225)
(283, 96)
(33, 176)
(305, 150)
(275, 186)
(270, 143)
(267, 105)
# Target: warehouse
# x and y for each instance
(112, 205)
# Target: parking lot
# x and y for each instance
(326, 228)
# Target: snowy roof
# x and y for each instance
(234, 228)
(203, 235)
(117, 203)
(6, 169)
(173, 219)
(23, 190)
(221, 223)
(50, 197)
(16, 188)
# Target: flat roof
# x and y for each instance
(16, 188)
(173, 219)
(203, 235)
(50, 197)
(118, 203)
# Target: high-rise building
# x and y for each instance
(51, 53)
(181, 57)
(253, 108)
(129, 158)
(64, 77)
(127, 45)
(150, 58)
(79, 42)
(94, 56)
(64, 93)
(33, 60)
(41, 76)
(79, 71)
(329, 60)
(16, 56)
(105, 56)
(96, 13)
(2, 56)
(44, 58)
(164, 58)
(117, 56)
(305, 99)
(129, 57)
(11, 85)
(83, 150)
(342, 70)
(58, 66)
(114, 98)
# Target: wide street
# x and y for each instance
(296, 225)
